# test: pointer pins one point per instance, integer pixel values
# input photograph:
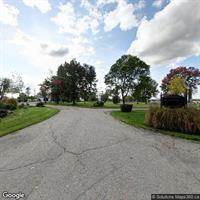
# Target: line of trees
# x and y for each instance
(129, 78)
(73, 81)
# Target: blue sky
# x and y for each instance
(36, 36)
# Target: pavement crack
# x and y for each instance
(102, 147)
(30, 164)
(97, 182)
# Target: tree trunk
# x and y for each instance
(123, 100)
(74, 102)
(189, 95)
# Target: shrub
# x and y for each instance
(10, 104)
(3, 105)
(24, 106)
(7, 106)
(3, 113)
(40, 104)
(186, 120)
(116, 99)
(98, 104)
(126, 107)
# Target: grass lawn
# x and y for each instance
(137, 118)
(22, 118)
(108, 104)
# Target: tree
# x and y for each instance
(5, 86)
(17, 84)
(145, 89)
(116, 99)
(88, 87)
(104, 96)
(191, 76)
(72, 82)
(125, 74)
(177, 86)
(22, 97)
(28, 91)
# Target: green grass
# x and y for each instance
(108, 104)
(136, 118)
(22, 118)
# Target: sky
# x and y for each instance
(36, 36)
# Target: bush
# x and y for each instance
(40, 104)
(9, 104)
(3, 113)
(116, 99)
(12, 102)
(2, 105)
(22, 105)
(185, 120)
(126, 107)
(98, 104)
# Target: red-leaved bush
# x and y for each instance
(186, 120)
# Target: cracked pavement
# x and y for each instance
(85, 154)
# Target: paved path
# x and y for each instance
(85, 154)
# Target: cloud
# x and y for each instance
(158, 3)
(46, 54)
(42, 5)
(59, 52)
(172, 34)
(8, 14)
(141, 4)
(69, 22)
(65, 19)
(122, 15)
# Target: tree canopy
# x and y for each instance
(11, 85)
(125, 74)
(72, 82)
(145, 89)
(177, 86)
(190, 75)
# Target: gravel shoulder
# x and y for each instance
(85, 154)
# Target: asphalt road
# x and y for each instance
(85, 154)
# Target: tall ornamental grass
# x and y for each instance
(186, 120)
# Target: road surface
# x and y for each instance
(85, 154)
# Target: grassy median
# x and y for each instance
(22, 118)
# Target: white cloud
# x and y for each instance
(141, 4)
(104, 2)
(65, 19)
(8, 14)
(69, 22)
(158, 3)
(42, 5)
(45, 54)
(171, 35)
(123, 16)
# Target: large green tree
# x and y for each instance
(72, 82)
(145, 89)
(125, 74)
